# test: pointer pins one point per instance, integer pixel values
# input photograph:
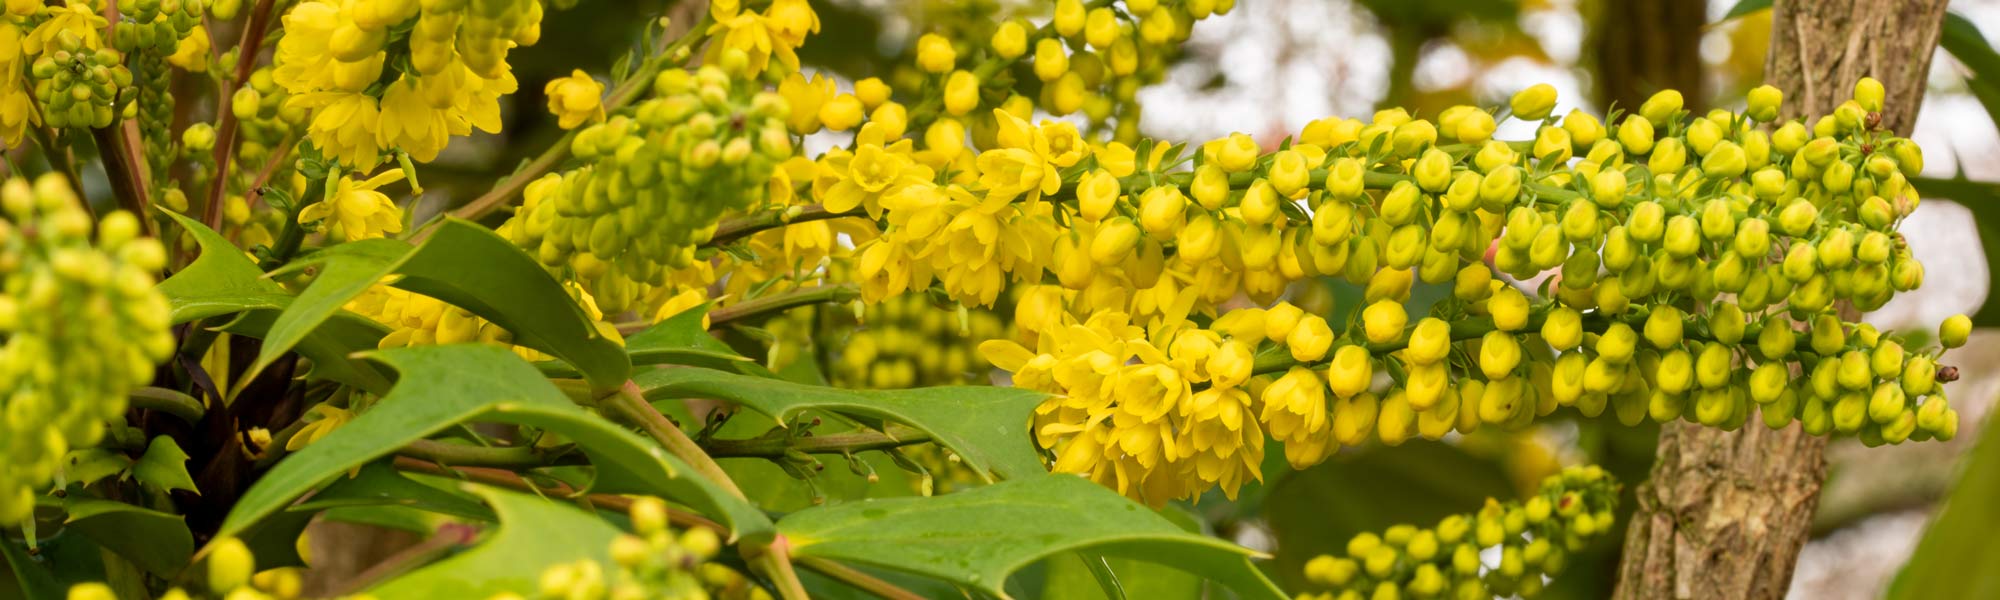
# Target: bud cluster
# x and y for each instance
(82, 327)
(655, 182)
(150, 31)
(1456, 559)
(653, 563)
(230, 574)
(78, 84)
(905, 342)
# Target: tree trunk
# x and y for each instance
(1644, 46)
(1726, 513)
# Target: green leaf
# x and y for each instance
(223, 281)
(378, 484)
(330, 347)
(33, 580)
(1962, 39)
(978, 537)
(477, 382)
(164, 466)
(1315, 511)
(1744, 7)
(1959, 557)
(1085, 576)
(1983, 199)
(155, 541)
(987, 426)
(467, 266)
(677, 339)
(220, 281)
(86, 466)
(534, 533)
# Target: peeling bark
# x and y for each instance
(1726, 513)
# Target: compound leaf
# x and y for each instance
(987, 426)
(978, 537)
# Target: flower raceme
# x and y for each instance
(1782, 220)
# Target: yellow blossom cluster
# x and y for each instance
(332, 59)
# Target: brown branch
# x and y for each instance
(225, 132)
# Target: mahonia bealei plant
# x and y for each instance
(1534, 539)
(985, 212)
(83, 327)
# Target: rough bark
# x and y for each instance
(1726, 513)
(1646, 45)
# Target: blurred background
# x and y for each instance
(1270, 66)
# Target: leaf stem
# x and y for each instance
(840, 443)
(854, 577)
(776, 562)
(630, 404)
(830, 293)
(172, 402)
(731, 229)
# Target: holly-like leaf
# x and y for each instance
(164, 465)
(220, 281)
(987, 426)
(86, 466)
(155, 541)
(467, 266)
(534, 533)
(380, 484)
(978, 537)
(679, 338)
(448, 385)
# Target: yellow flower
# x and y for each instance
(356, 211)
(575, 99)
(805, 96)
(343, 126)
(304, 58)
(750, 33)
(873, 172)
(192, 51)
(320, 420)
(791, 21)
(409, 122)
(75, 18)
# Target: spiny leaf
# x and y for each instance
(978, 537)
(448, 385)
(164, 465)
(534, 533)
(987, 426)
(467, 266)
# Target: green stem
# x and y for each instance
(831, 293)
(630, 404)
(172, 402)
(293, 234)
(863, 581)
(775, 561)
(841, 443)
(734, 228)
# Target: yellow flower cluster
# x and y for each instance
(776, 32)
(332, 57)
